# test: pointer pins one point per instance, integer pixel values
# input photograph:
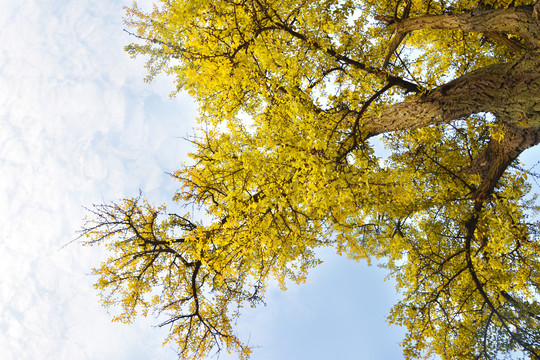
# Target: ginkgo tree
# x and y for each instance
(291, 94)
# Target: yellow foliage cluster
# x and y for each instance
(313, 76)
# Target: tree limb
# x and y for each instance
(519, 21)
(510, 91)
(498, 155)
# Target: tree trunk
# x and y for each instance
(510, 91)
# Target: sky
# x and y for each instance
(79, 126)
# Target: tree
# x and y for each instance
(292, 94)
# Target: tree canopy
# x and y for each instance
(293, 95)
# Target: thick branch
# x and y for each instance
(502, 39)
(510, 91)
(515, 20)
(495, 159)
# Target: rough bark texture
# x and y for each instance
(515, 20)
(510, 91)
(495, 159)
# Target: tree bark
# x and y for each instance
(510, 91)
(498, 155)
(520, 21)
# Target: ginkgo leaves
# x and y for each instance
(163, 266)
(460, 265)
(445, 211)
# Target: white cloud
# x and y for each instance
(70, 136)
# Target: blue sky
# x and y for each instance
(79, 126)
